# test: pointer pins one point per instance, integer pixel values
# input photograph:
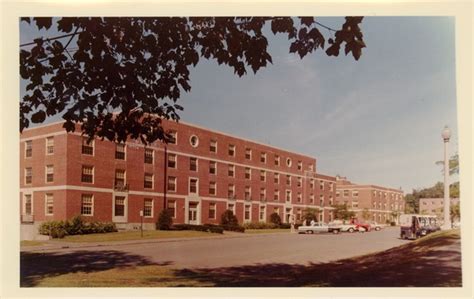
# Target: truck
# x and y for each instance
(414, 226)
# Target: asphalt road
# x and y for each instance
(257, 249)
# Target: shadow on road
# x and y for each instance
(35, 266)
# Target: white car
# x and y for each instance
(345, 227)
(377, 226)
(319, 228)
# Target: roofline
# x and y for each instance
(342, 186)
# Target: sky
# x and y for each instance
(376, 121)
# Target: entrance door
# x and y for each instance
(120, 209)
(192, 216)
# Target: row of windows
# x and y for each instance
(49, 147)
(355, 193)
(49, 174)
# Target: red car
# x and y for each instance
(366, 226)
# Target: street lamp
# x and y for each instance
(446, 134)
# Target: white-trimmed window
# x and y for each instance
(263, 157)
(231, 170)
(276, 178)
(288, 180)
(87, 174)
(213, 146)
(299, 197)
(87, 146)
(288, 195)
(28, 175)
(171, 184)
(248, 154)
(321, 185)
(247, 212)
(212, 210)
(276, 210)
(300, 165)
(212, 167)
(148, 207)
(172, 208)
(288, 162)
(261, 215)
(119, 208)
(277, 160)
(311, 183)
(49, 145)
(231, 150)
(276, 195)
(299, 182)
(49, 204)
(193, 185)
(212, 188)
(331, 186)
(28, 204)
(320, 217)
(193, 164)
(248, 173)
(148, 182)
(28, 148)
(331, 201)
(321, 200)
(120, 151)
(355, 204)
(345, 193)
(311, 198)
(149, 153)
(231, 191)
(263, 193)
(338, 194)
(263, 175)
(119, 178)
(172, 161)
(247, 193)
(87, 205)
(173, 137)
(355, 193)
(194, 141)
(49, 173)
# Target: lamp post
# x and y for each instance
(446, 134)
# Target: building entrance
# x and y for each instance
(192, 213)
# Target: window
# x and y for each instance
(288, 180)
(87, 146)
(355, 193)
(288, 162)
(276, 178)
(49, 145)
(148, 183)
(231, 191)
(355, 204)
(330, 200)
(49, 204)
(277, 160)
(212, 167)
(148, 207)
(149, 153)
(298, 214)
(300, 165)
(311, 184)
(321, 185)
(374, 193)
(173, 137)
(212, 188)
(311, 167)
(87, 174)
(194, 141)
(212, 211)
(49, 173)
(321, 200)
(231, 207)
(247, 213)
(247, 173)
(261, 215)
(119, 178)
(263, 157)
(331, 187)
(28, 148)
(172, 183)
(346, 193)
(276, 195)
(231, 170)
(231, 150)
(299, 182)
(263, 193)
(276, 210)
(172, 161)
(299, 197)
(247, 193)
(213, 146)
(120, 151)
(28, 204)
(338, 194)
(263, 175)
(311, 198)
(288, 195)
(248, 154)
(119, 209)
(193, 185)
(87, 205)
(172, 208)
(28, 175)
(193, 164)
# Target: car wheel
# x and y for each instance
(335, 231)
(351, 230)
(377, 228)
(309, 231)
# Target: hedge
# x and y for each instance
(202, 228)
(75, 226)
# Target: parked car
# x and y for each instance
(413, 226)
(366, 226)
(319, 227)
(377, 226)
(345, 227)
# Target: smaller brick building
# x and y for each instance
(435, 206)
(370, 202)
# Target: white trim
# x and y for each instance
(152, 207)
(24, 203)
(250, 212)
(24, 175)
(215, 188)
(175, 183)
(152, 155)
(152, 180)
(170, 154)
(91, 144)
(42, 136)
(197, 164)
(46, 213)
(234, 150)
(46, 174)
(46, 146)
(215, 167)
(197, 141)
(92, 205)
(229, 166)
(197, 185)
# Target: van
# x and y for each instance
(413, 226)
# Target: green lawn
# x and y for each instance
(266, 231)
(31, 243)
(134, 235)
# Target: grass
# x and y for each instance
(31, 243)
(266, 231)
(134, 235)
(432, 261)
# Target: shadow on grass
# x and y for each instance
(35, 266)
(426, 263)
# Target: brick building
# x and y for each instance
(198, 176)
(435, 206)
(370, 202)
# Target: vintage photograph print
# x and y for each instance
(239, 152)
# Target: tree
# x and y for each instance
(342, 212)
(310, 214)
(275, 219)
(125, 74)
(165, 220)
(455, 212)
(412, 203)
(228, 218)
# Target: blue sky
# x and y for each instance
(377, 120)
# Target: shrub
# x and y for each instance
(260, 225)
(165, 220)
(228, 218)
(234, 228)
(212, 228)
(275, 219)
(392, 223)
(285, 225)
(76, 226)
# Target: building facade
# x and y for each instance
(370, 202)
(197, 177)
(435, 206)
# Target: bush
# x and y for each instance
(234, 228)
(75, 226)
(165, 220)
(228, 218)
(285, 225)
(212, 228)
(392, 223)
(260, 225)
(275, 219)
